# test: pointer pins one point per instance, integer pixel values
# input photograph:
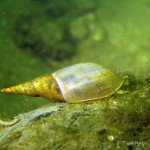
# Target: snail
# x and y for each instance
(77, 83)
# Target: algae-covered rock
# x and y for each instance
(118, 122)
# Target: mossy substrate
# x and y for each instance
(117, 122)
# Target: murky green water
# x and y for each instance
(39, 37)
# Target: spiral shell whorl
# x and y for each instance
(26, 88)
(43, 86)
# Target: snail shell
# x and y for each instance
(76, 83)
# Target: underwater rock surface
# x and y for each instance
(120, 121)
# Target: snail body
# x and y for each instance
(73, 84)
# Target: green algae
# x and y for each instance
(118, 122)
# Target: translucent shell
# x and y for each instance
(87, 81)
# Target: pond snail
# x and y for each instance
(77, 83)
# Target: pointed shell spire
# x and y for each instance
(43, 86)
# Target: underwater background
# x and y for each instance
(41, 36)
